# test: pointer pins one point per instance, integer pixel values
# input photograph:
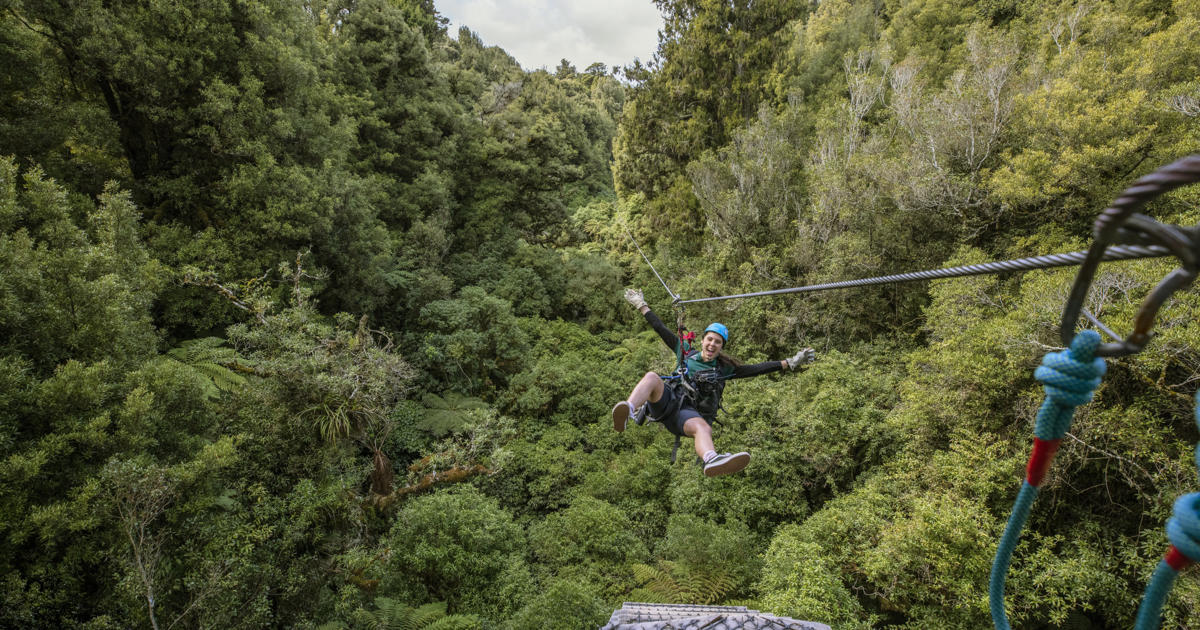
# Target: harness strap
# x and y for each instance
(684, 336)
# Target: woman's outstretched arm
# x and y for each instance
(804, 357)
(634, 296)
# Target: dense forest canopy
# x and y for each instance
(310, 313)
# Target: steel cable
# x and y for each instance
(1049, 261)
(674, 297)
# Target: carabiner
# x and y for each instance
(1120, 224)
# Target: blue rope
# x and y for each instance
(1150, 612)
(1070, 378)
(1183, 530)
(1004, 552)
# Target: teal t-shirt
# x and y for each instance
(696, 365)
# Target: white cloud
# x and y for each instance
(540, 33)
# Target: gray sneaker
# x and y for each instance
(620, 413)
(623, 411)
(642, 414)
(726, 464)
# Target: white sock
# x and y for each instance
(709, 455)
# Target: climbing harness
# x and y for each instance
(700, 390)
(1072, 376)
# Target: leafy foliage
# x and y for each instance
(459, 546)
(217, 365)
(390, 614)
(416, 251)
(670, 584)
(449, 413)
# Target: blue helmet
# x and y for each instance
(718, 328)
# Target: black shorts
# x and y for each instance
(672, 412)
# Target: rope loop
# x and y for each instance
(1183, 532)
(1196, 414)
(1183, 529)
(1071, 378)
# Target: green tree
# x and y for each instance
(230, 133)
(562, 605)
(458, 546)
(590, 541)
(341, 379)
(72, 291)
(705, 81)
(474, 341)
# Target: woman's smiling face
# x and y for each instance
(711, 345)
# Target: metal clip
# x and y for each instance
(1120, 224)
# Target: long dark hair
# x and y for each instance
(728, 359)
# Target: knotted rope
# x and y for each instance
(1071, 378)
(1183, 531)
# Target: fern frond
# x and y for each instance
(462, 402)
(456, 622)
(207, 356)
(670, 582)
(449, 413)
(439, 422)
(222, 377)
(705, 587)
(425, 616)
(645, 573)
(388, 612)
(660, 581)
(363, 618)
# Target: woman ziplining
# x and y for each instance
(686, 403)
(1070, 376)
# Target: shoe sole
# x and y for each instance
(620, 414)
(728, 467)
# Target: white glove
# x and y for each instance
(634, 297)
(804, 357)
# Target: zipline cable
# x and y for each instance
(1115, 252)
(674, 298)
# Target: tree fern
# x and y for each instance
(456, 622)
(392, 614)
(208, 357)
(422, 617)
(674, 583)
(449, 413)
(659, 582)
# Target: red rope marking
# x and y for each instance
(1176, 560)
(1039, 460)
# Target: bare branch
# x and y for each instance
(227, 293)
(1186, 104)
(1111, 455)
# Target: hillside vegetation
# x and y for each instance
(311, 316)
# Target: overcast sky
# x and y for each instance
(540, 33)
